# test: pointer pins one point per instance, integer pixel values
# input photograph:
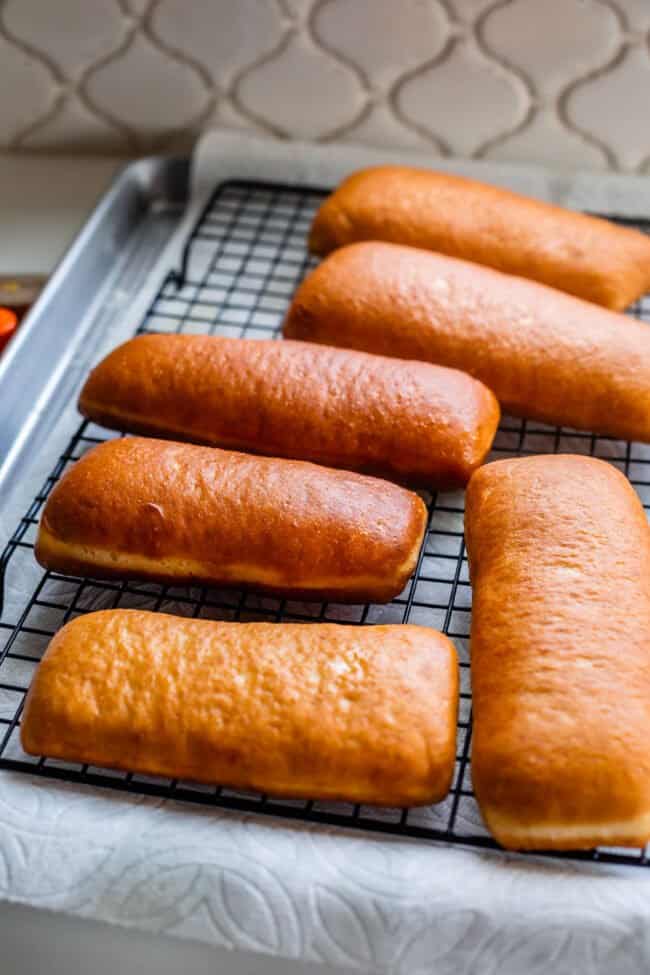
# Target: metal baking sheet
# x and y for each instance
(121, 276)
(234, 274)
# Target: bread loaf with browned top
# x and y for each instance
(559, 555)
(410, 421)
(153, 509)
(545, 355)
(321, 711)
(592, 258)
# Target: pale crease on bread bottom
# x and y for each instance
(352, 792)
(134, 423)
(513, 835)
(63, 556)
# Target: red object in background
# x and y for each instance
(17, 293)
(8, 325)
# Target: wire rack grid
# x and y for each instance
(240, 266)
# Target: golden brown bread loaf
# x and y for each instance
(321, 711)
(585, 256)
(559, 552)
(545, 354)
(412, 421)
(139, 508)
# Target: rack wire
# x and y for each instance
(239, 268)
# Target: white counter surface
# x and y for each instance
(43, 203)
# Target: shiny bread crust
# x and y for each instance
(321, 711)
(585, 256)
(413, 422)
(177, 513)
(559, 553)
(545, 355)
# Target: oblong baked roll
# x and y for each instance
(321, 711)
(413, 421)
(559, 554)
(545, 354)
(583, 255)
(140, 508)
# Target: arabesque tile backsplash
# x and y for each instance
(564, 82)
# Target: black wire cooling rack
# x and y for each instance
(239, 268)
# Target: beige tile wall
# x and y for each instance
(565, 82)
